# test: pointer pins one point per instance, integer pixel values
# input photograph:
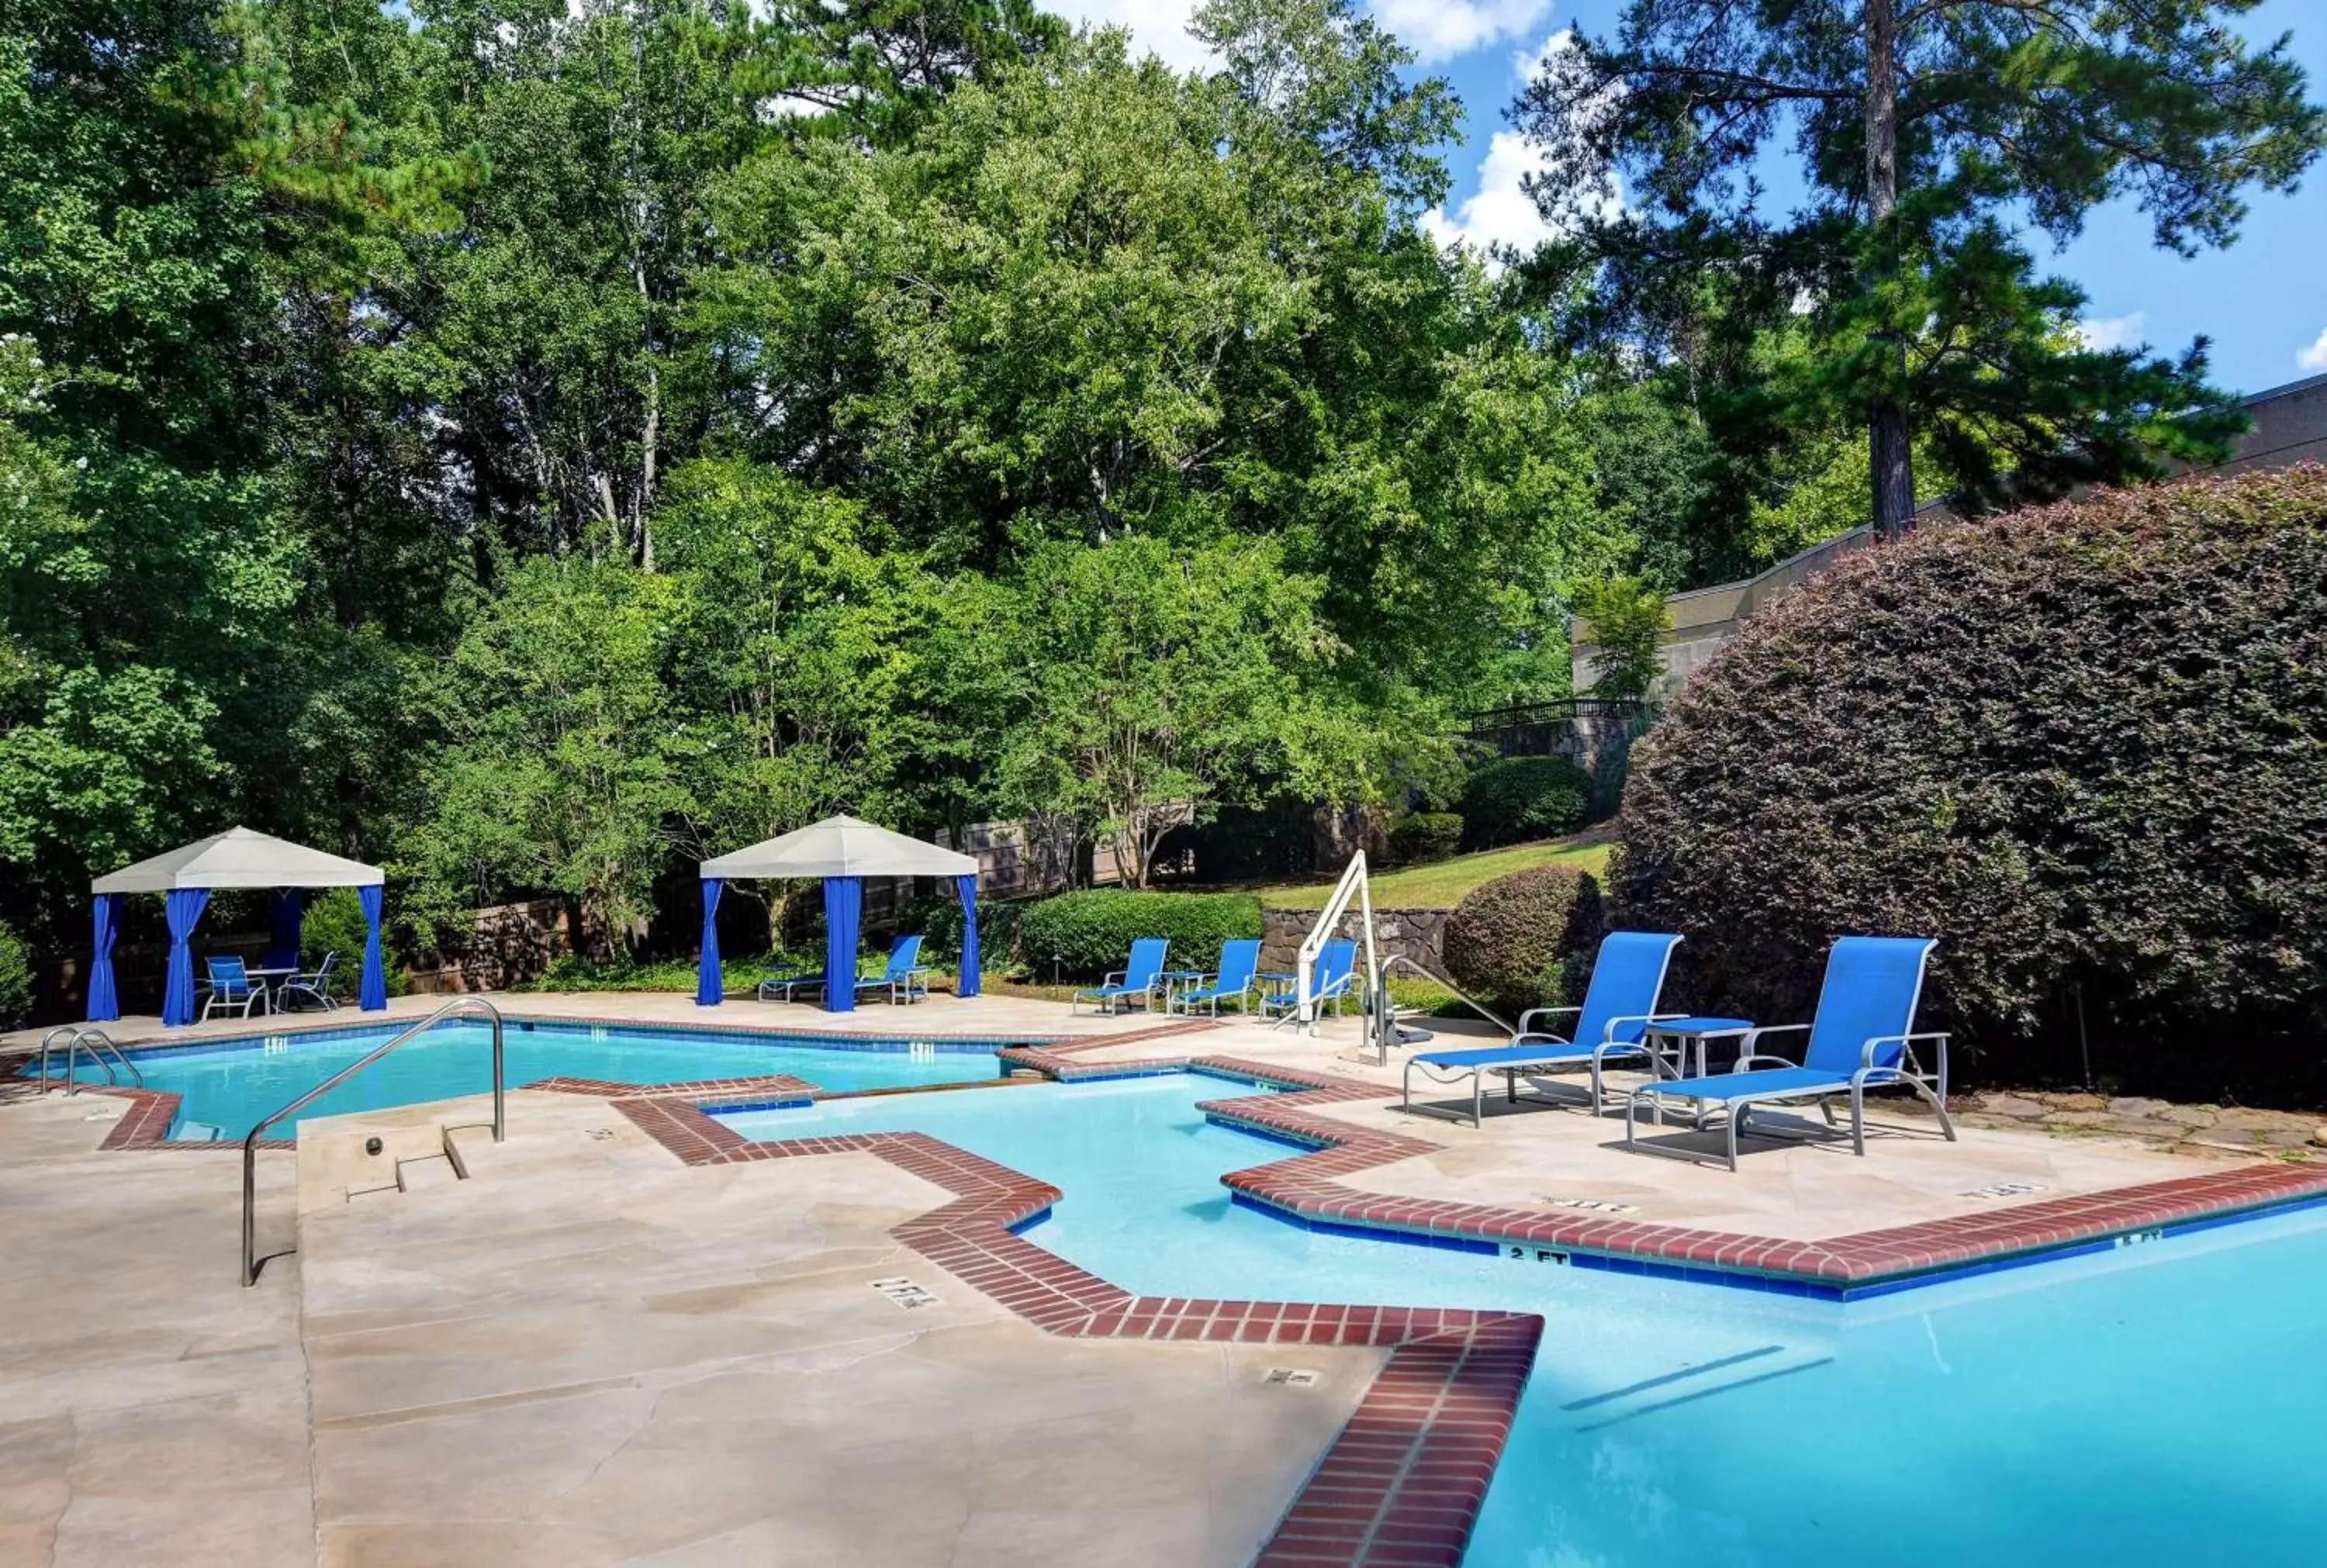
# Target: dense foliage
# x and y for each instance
(16, 979)
(533, 445)
(1513, 799)
(1083, 935)
(2084, 746)
(1516, 942)
(1423, 836)
(1895, 303)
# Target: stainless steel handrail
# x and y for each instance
(76, 1039)
(250, 1260)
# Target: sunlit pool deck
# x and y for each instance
(633, 1332)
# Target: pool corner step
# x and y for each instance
(424, 1171)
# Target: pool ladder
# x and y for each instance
(99, 1048)
(251, 1258)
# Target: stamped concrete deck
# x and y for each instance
(592, 1351)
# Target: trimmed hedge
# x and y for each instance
(1425, 837)
(2085, 746)
(1086, 934)
(334, 923)
(1516, 798)
(1520, 940)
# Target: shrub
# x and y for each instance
(1425, 837)
(334, 923)
(1518, 940)
(16, 979)
(2082, 745)
(1515, 799)
(939, 919)
(1086, 934)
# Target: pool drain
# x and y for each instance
(1596, 1205)
(1291, 1376)
(905, 1293)
(2003, 1190)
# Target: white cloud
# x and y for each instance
(1501, 212)
(2113, 331)
(2314, 357)
(1442, 29)
(1159, 26)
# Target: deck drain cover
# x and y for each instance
(905, 1293)
(1596, 1205)
(2003, 1190)
(1291, 1376)
(110, 1113)
(601, 1133)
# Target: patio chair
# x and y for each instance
(1142, 976)
(1234, 978)
(315, 986)
(231, 988)
(1860, 1039)
(902, 974)
(1332, 979)
(1628, 975)
(783, 983)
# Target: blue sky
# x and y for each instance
(2263, 301)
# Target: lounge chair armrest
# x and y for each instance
(1866, 1051)
(1753, 1038)
(1541, 1012)
(1608, 1031)
(1746, 1063)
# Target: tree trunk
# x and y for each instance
(1890, 441)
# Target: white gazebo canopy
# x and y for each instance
(839, 847)
(240, 858)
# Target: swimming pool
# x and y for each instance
(228, 1086)
(2149, 1406)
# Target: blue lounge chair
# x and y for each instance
(1628, 975)
(1234, 978)
(1333, 978)
(315, 986)
(782, 984)
(1861, 1040)
(903, 975)
(231, 988)
(1141, 977)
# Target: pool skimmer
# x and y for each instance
(905, 1293)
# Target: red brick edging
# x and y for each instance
(1401, 1484)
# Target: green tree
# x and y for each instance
(1158, 682)
(1629, 621)
(1917, 127)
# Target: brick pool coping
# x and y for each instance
(1402, 1482)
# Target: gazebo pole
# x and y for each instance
(967, 983)
(183, 908)
(104, 1001)
(844, 905)
(710, 985)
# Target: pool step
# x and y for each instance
(426, 1172)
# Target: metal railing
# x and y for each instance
(100, 1048)
(251, 1258)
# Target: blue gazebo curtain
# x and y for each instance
(967, 984)
(183, 908)
(104, 1002)
(843, 906)
(373, 996)
(708, 982)
(290, 917)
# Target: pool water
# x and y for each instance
(231, 1087)
(2156, 1405)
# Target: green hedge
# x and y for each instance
(1517, 798)
(16, 979)
(1083, 935)
(1425, 837)
(334, 923)
(939, 919)
(2083, 746)
(1524, 941)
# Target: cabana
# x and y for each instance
(843, 852)
(236, 858)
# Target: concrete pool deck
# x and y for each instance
(622, 1337)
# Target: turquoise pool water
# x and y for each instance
(232, 1087)
(2157, 1405)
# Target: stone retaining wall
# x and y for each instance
(1418, 934)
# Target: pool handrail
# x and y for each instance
(250, 1259)
(76, 1037)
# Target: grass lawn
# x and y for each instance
(1442, 885)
